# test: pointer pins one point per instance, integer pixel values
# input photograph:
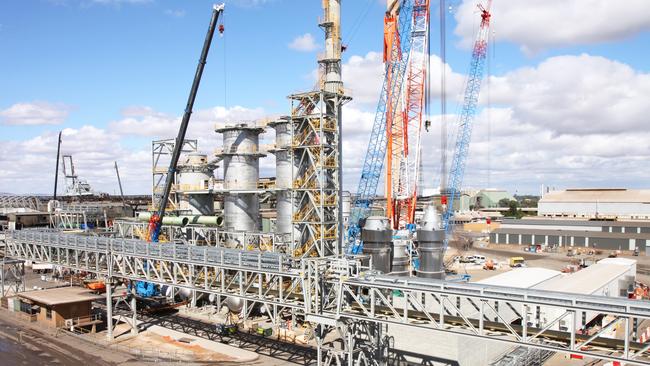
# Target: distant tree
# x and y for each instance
(513, 209)
(504, 202)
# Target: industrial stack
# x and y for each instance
(194, 185)
(377, 242)
(283, 175)
(430, 239)
(241, 173)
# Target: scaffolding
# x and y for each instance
(161, 152)
(315, 153)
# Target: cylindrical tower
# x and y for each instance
(194, 185)
(377, 236)
(430, 239)
(241, 172)
(283, 175)
(331, 61)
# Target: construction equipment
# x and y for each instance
(405, 157)
(517, 262)
(74, 186)
(56, 171)
(397, 44)
(466, 118)
(148, 289)
(119, 182)
(490, 265)
(156, 220)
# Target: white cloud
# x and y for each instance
(146, 122)
(28, 166)
(35, 113)
(304, 43)
(363, 77)
(175, 13)
(536, 25)
(570, 121)
(576, 95)
(563, 122)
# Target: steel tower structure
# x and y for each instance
(315, 150)
(467, 114)
(397, 45)
(415, 108)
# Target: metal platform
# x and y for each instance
(338, 295)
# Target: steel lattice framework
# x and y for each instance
(161, 151)
(335, 294)
(415, 107)
(396, 54)
(466, 118)
(316, 185)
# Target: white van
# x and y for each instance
(479, 259)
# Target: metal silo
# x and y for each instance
(283, 175)
(377, 242)
(430, 239)
(241, 173)
(194, 185)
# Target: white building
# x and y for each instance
(605, 203)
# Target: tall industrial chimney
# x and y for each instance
(331, 61)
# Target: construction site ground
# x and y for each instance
(550, 260)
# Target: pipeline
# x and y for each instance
(167, 220)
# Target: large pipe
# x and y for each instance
(167, 220)
(205, 220)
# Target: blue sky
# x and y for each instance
(87, 65)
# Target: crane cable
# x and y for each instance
(358, 22)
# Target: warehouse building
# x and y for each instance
(608, 235)
(489, 198)
(604, 203)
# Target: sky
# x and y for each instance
(564, 102)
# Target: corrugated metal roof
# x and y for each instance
(591, 234)
(521, 277)
(586, 281)
(598, 195)
(574, 222)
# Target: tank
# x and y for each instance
(241, 212)
(430, 239)
(282, 128)
(283, 175)
(241, 174)
(234, 304)
(400, 263)
(376, 236)
(193, 184)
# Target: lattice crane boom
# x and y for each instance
(415, 109)
(467, 114)
(396, 51)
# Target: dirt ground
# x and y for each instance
(23, 343)
(555, 261)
